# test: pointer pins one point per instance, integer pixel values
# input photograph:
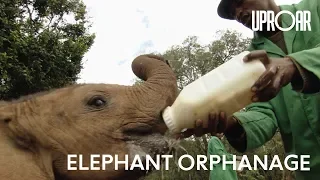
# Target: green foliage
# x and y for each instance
(174, 172)
(42, 43)
(138, 81)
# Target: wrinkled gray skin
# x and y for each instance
(37, 132)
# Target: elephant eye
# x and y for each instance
(97, 102)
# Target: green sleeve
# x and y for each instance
(215, 147)
(308, 61)
(259, 123)
(308, 64)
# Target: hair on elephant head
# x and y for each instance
(38, 132)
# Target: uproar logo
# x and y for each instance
(301, 20)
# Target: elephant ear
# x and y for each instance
(6, 112)
(12, 126)
(12, 137)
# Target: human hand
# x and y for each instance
(217, 123)
(279, 72)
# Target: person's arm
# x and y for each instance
(253, 127)
(308, 64)
(308, 61)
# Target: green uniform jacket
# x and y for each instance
(296, 114)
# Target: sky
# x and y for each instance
(127, 28)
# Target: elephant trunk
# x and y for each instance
(160, 87)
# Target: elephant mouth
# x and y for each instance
(154, 146)
(151, 144)
(145, 142)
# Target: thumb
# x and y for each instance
(257, 55)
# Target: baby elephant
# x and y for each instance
(38, 132)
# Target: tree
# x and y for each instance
(192, 60)
(42, 43)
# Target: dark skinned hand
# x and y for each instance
(279, 72)
(217, 123)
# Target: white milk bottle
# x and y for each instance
(226, 88)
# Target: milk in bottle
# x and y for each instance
(226, 88)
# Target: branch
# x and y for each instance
(29, 11)
(197, 141)
(58, 21)
(50, 21)
(205, 141)
(225, 58)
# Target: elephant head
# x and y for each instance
(38, 132)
